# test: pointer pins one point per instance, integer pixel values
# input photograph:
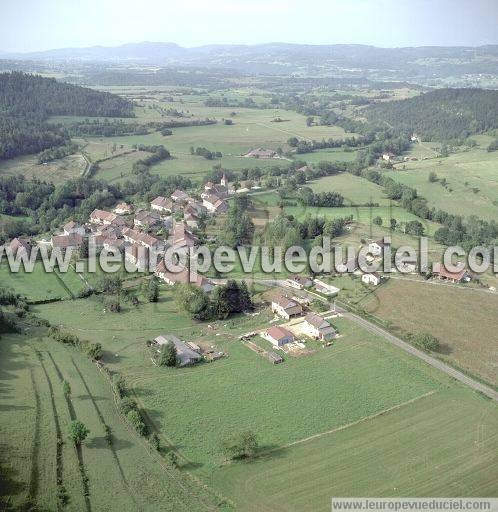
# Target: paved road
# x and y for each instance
(369, 326)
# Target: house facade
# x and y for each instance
(315, 326)
(285, 307)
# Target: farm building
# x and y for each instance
(371, 278)
(285, 307)
(326, 289)
(350, 266)
(179, 196)
(377, 248)
(441, 272)
(105, 218)
(299, 282)
(139, 238)
(182, 237)
(317, 327)
(146, 219)
(73, 228)
(123, 209)
(183, 277)
(186, 356)
(278, 336)
(162, 204)
(67, 241)
(274, 358)
(214, 204)
(20, 245)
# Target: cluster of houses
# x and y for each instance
(313, 325)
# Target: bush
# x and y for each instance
(126, 405)
(242, 445)
(168, 355)
(426, 342)
(135, 418)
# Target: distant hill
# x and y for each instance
(441, 114)
(26, 101)
(284, 58)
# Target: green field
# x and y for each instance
(371, 395)
(32, 396)
(472, 182)
(356, 190)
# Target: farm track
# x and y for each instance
(125, 482)
(35, 450)
(78, 448)
(58, 432)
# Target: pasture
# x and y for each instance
(356, 190)
(359, 389)
(472, 185)
(57, 171)
(31, 369)
(466, 324)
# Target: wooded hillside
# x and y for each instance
(442, 114)
(26, 101)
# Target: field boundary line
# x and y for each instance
(354, 423)
(158, 458)
(124, 480)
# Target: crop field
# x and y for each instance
(362, 387)
(466, 325)
(31, 370)
(472, 183)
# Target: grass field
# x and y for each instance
(57, 171)
(472, 183)
(466, 325)
(32, 397)
(440, 445)
(381, 404)
(356, 190)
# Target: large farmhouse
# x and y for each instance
(285, 307)
(317, 327)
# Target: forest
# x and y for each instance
(440, 115)
(27, 101)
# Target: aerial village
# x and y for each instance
(170, 222)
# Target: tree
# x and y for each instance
(153, 290)
(414, 227)
(242, 445)
(432, 177)
(78, 432)
(168, 355)
(94, 351)
(392, 224)
(135, 418)
(426, 341)
(377, 220)
(173, 459)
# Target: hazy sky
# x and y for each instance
(30, 25)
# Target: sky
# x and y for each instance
(36, 25)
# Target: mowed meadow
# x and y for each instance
(37, 453)
(326, 423)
